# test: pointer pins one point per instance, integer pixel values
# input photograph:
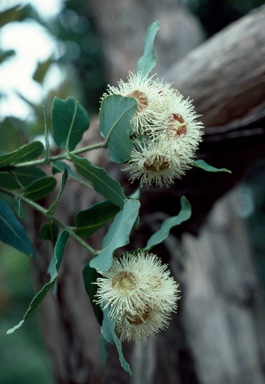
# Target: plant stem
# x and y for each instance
(64, 155)
(44, 211)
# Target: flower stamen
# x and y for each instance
(124, 281)
(139, 318)
(157, 164)
(177, 125)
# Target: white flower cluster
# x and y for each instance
(165, 130)
(140, 294)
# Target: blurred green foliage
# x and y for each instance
(76, 29)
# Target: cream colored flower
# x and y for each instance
(142, 325)
(157, 161)
(151, 95)
(182, 123)
(165, 130)
(140, 293)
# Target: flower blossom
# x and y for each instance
(165, 130)
(140, 295)
(156, 161)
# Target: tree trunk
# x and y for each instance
(222, 308)
(226, 75)
(217, 335)
(122, 26)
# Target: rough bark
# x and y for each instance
(209, 307)
(222, 308)
(218, 334)
(226, 76)
(234, 116)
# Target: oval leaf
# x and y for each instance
(64, 179)
(49, 231)
(40, 188)
(26, 176)
(163, 232)
(69, 122)
(24, 153)
(115, 116)
(108, 332)
(53, 270)
(148, 61)
(8, 180)
(90, 275)
(20, 177)
(206, 167)
(103, 183)
(90, 220)
(117, 235)
(12, 231)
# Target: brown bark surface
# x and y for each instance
(225, 76)
(222, 309)
(217, 335)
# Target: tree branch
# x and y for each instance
(225, 76)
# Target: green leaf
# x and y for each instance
(117, 235)
(54, 205)
(59, 166)
(206, 167)
(53, 270)
(115, 116)
(90, 220)
(20, 177)
(24, 153)
(8, 180)
(103, 183)
(163, 232)
(12, 231)
(49, 231)
(58, 255)
(107, 326)
(147, 62)
(90, 275)
(40, 188)
(69, 122)
(108, 333)
(26, 176)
